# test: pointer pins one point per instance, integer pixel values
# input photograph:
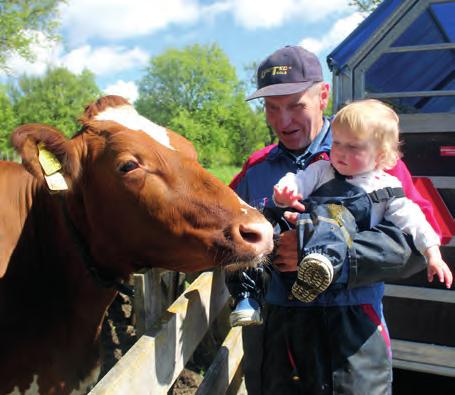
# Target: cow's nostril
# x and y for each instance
(259, 235)
(250, 237)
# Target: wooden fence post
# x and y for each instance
(157, 358)
(147, 300)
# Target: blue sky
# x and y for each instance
(116, 38)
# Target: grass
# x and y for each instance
(224, 173)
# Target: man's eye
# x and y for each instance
(128, 166)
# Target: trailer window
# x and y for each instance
(416, 74)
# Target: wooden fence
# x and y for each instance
(155, 361)
(11, 156)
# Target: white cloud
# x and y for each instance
(46, 53)
(104, 60)
(116, 19)
(340, 30)
(254, 14)
(127, 89)
(119, 19)
(100, 60)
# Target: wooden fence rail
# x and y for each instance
(155, 361)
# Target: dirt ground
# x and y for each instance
(119, 334)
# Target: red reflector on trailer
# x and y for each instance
(442, 213)
(447, 150)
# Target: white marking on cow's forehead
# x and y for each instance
(128, 116)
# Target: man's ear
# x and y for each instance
(324, 95)
(43, 149)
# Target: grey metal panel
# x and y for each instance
(420, 123)
(434, 295)
(416, 48)
(424, 357)
(384, 95)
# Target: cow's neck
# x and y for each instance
(52, 289)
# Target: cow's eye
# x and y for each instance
(128, 166)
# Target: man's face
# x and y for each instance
(297, 119)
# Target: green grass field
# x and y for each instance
(224, 173)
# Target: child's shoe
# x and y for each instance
(246, 312)
(314, 276)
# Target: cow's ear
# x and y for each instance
(46, 152)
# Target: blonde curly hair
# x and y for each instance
(372, 119)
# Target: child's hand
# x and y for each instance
(288, 198)
(437, 266)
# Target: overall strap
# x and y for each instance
(384, 194)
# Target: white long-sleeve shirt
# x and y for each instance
(402, 212)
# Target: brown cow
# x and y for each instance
(136, 198)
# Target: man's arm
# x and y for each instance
(383, 253)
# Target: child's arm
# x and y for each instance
(436, 265)
(408, 216)
(401, 172)
(297, 186)
(285, 196)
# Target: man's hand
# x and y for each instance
(286, 257)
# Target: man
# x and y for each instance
(338, 343)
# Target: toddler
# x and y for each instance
(365, 143)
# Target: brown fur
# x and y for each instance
(167, 212)
(93, 109)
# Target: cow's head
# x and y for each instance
(140, 198)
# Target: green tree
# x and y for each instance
(366, 6)
(7, 121)
(18, 22)
(329, 110)
(195, 91)
(57, 99)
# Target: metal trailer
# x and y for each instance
(404, 54)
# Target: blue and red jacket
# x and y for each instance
(254, 184)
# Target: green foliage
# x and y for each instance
(7, 121)
(57, 99)
(329, 110)
(365, 5)
(195, 91)
(19, 22)
(224, 173)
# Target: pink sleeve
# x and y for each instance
(255, 158)
(401, 172)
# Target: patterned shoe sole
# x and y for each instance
(314, 276)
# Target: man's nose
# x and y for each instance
(284, 119)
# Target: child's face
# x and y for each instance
(352, 155)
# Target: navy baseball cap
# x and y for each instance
(288, 70)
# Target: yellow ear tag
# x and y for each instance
(56, 182)
(51, 166)
(47, 160)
